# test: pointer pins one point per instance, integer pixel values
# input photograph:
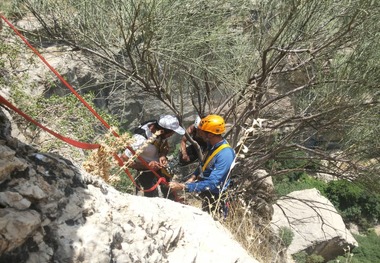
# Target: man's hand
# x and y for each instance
(185, 157)
(176, 186)
(163, 161)
(155, 165)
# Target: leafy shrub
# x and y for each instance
(6, 7)
(354, 202)
(315, 259)
(64, 113)
(286, 235)
(304, 182)
(300, 257)
(293, 165)
(10, 58)
(368, 249)
(291, 161)
(303, 257)
(124, 184)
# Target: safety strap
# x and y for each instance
(221, 147)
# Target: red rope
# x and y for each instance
(82, 145)
(161, 179)
(68, 140)
(57, 74)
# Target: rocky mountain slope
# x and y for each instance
(52, 211)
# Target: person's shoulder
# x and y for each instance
(138, 137)
(191, 128)
(137, 141)
(141, 130)
(228, 150)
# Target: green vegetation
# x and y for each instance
(5, 7)
(367, 251)
(355, 203)
(9, 60)
(286, 235)
(124, 184)
(286, 186)
(310, 68)
(291, 173)
(65, 112)
(303, 257)
(292, 164)
(65, 115)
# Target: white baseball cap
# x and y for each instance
(197, 121)
(171, 122)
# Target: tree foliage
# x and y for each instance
(309, 68)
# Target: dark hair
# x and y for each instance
(162, 128)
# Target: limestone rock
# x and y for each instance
(16, 226)
(8, 162)
(52, 211)
(15, 200)
(317, 226)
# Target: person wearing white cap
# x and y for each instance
(153, 151)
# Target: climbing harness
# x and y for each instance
(217, 150)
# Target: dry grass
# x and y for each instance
(97, 164)
(250, 231)
(101, 162)
(253, 236)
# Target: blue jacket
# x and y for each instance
(216, 172)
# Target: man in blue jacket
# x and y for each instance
(212, 179)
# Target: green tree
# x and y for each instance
(241, 59)
(309, 68)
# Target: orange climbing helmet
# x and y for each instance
(213, 123)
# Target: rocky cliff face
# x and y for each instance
(52, 211)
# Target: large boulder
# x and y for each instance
(52, 211)
(317, 226)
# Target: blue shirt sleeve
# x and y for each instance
(215, 174)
